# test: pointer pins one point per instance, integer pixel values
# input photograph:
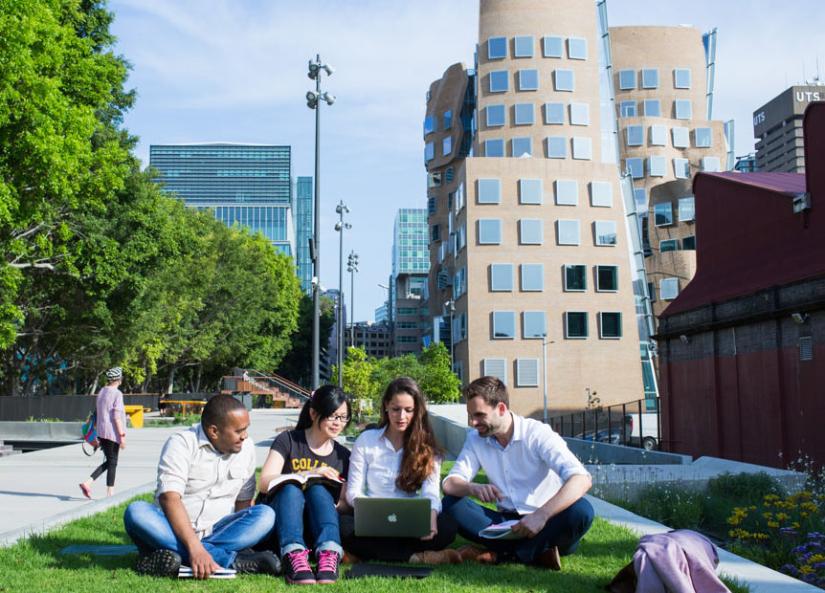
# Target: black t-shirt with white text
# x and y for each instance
(293, 447)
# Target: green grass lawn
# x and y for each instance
(34, 565)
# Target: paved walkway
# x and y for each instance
(39, 490)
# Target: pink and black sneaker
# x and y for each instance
(297, 570)
(327, 572)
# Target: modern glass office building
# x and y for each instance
(242, 184)
(410, 265)
(303, 208)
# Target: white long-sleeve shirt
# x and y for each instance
(529, 471)
(374, 466)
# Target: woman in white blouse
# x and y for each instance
(398, 459)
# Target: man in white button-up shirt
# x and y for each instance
(533, 478)
(202, 516)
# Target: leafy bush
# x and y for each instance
(668, 504)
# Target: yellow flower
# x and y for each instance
(773, 524)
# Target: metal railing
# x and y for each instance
(614, 424)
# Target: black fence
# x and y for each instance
(634, 424)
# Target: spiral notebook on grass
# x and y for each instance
(185, 572)
(503, 530)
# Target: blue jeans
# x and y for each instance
(149, 528)
(314, 507)
(563, 530)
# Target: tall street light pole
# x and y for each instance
(352, 268)
(341, 226)
(314, 99)
(544, 342)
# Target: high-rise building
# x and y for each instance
(304, 220)
(410, 264)
(528, 240)
(374, 338)
(664, 100)
(242, 184)
(777, 127)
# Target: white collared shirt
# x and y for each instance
(529, 471)
(374, 465)
(208, 482)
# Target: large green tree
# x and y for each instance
(61, 94)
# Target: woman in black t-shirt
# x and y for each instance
(310, 448)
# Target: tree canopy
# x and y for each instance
(98, 266)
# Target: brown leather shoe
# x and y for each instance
(550, 558)
(350, 558)
(470, 553)
(448, 556)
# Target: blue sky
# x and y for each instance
(235, 70)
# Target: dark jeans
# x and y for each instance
(149, 528)
(563, 530)
(110, 450)
(313, 507)
(395, 549)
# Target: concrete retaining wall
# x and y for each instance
(61, 407)
(41, 431)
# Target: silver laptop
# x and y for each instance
(392, 517)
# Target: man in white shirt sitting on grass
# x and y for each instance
(202, 517)
(533, 478)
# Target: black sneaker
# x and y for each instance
(327, 571)
(160, 563)
(251, 562)
(297, 570)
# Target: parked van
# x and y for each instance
(643, 429)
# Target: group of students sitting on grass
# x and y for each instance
(204, 517)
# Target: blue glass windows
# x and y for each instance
(495, 115)
(494, 147)
(501, 277)
(553, 47)
(627, 80)
(556, 147)
(563, 80)
(534, 325)
(702, 137)
(610, 326)
(577, 48)
(489, 231)
(532, 277)
(575, 325)
(522, 146)
(681, 78)
(627, 109)
(530, 191)
(652, 107)
(523, 46)
(575, 278)
(663, 214)
(499, 81)
(523, 114)
(554, 113)
(528, 80)
(496, 48)
(683, 109)
(650, 78)
(579, 114)
(488, 191)
(635, 135)
(504, 325)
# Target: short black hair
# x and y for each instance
(217, 409)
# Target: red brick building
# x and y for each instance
(742, 348)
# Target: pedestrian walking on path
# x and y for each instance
(111, 431)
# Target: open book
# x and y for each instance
(185, 572)
(302, 481)
(501, 530)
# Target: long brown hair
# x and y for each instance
(420, 448)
